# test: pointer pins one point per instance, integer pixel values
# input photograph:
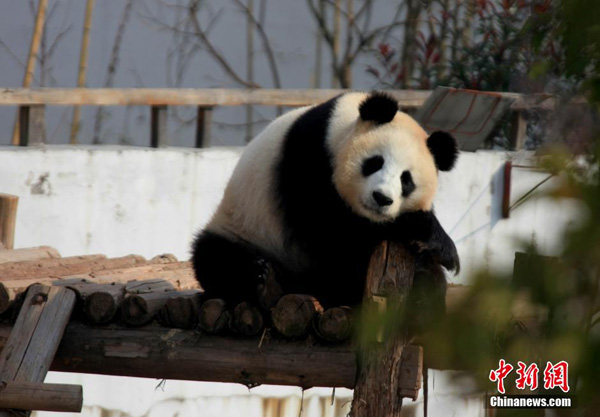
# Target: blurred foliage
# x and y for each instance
(549, 309)
(525, 46)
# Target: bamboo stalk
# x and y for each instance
(83, 57)
(38, 29)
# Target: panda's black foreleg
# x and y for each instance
(233, 271)
(424, 229)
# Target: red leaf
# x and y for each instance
(384, 49)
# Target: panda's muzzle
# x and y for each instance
(381, 199)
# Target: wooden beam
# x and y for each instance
(210, 97)
(41, 397)
(8, 219)
(158, 352)
(214, 97)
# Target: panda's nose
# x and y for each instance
(381, 199)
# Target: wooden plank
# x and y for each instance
(16, 347)
(28, 254)
(159, 136)
(203, 127)
(32, 125)
(47, 336)
(158, 352)
(42, 397)
(214, 97)
(8, 219)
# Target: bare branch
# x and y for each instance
(193, 8)
(266, 42)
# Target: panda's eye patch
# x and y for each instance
(408, 185)
(372, 165)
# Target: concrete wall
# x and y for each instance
(118, 201)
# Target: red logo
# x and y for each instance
(499, 374)
(555, 376)
(528, 377)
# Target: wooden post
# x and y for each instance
(379, 390)
(36, 38)
(519, 130)
(203, 127)
(32, 125)
(158, 127)
(8, 218)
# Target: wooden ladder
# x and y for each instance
(29, 352)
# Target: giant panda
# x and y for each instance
(316, 191)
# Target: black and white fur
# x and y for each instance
(316, 191)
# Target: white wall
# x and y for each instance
(118, 201)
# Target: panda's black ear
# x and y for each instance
(444, 149)
(379, 108)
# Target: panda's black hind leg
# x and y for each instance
(232, 271)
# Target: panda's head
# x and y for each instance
(386, 164)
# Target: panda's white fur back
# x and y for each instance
(248, 210)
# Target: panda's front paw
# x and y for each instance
(448, 256)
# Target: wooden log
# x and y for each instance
(66, 267)
(247, 320)
(28, 254)
(181, 311)
(139, 309)
(174, 276)
(334, 324)
(214, 316)
(8, 219)
(378, 391)
(100, 302)
(159, 352)
(30, 349)
(294, 313)
(41, 397)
